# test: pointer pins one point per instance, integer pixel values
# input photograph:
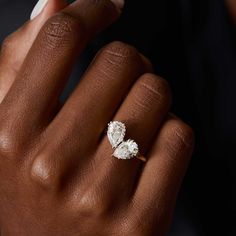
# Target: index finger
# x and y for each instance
(49, 61)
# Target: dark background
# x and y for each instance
(192, 44)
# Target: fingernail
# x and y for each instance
(119, 3)
(38, 8)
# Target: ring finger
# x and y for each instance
(142, 112)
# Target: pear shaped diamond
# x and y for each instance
(116, 133)
(126, 150)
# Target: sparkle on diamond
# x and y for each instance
(116, 133)
(126, 150)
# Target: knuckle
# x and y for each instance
(153, 90)
(156, 86)
(184, 133)
(181, 136)
(42, 172)
(118, 54)
(60, 30)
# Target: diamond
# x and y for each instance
(116, 133)
(126, 150)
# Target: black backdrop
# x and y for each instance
(192, 44)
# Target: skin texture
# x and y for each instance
(57, 176)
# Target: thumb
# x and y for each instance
(16, 46)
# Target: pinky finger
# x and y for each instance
(156, 193)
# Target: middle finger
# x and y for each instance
(142, 112)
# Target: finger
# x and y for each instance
(16, 46)
(48, 63)
(155, 197)
(142, 112)
(88, 110)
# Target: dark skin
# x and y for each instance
(57, 176)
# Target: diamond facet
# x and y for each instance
(116, 133)
(126, 150)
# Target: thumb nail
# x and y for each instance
(38, 8)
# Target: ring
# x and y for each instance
(124, 150)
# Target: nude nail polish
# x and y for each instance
(38, 8)
(119, 3)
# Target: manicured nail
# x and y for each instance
(119, 3)
(38, 8)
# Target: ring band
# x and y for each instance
(142, 158)
(124, 150)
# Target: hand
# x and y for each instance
(57, 176)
